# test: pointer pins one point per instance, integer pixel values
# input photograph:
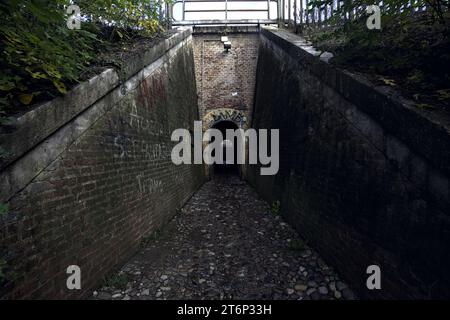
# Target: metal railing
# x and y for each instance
(224, 8)
(291, 13)
(296, 13)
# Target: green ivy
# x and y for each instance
(41, 57)
(4, 209)
(410, 51)
(2, 268)
(389, 7)
(275, 208)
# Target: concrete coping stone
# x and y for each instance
(25, 169)
(27, 130)
(225, 29)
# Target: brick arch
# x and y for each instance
(239, 117)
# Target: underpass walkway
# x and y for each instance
(226, 243)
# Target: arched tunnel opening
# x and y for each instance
(229, 151)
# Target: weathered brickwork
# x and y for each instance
(226, 79)
(363, 177)
(353, 189)
(114, 186)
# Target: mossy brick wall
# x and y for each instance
(111, 185)
(363, 175)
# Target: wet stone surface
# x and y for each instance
(226, 243)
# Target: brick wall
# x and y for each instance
(363, 176)
(110, 188)
(225, 80)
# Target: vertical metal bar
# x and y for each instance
(184, 13)
(301, 12)
(295, 15)
(268, 9)
(281, 13)
(226, 9)
(289, 11)
(329, 8)
(320, 16)
(307, 13)
(162, 9)
(278, 9)
(167, 14)
(316, 17)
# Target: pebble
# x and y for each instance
(323, 290)
(300, 287)
(340, 286)
(310, 291)
(332, 286)
(210, 252)
(326, 56)
(348, 294)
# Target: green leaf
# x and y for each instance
(443, 94)
(6, 85)
(60, 86)
(26, 98)
(4, 208)
(388, 82)
(424, 106)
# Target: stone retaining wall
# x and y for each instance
(91, 175)
(363, 173)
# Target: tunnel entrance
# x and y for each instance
(227, 147)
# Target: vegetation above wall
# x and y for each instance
(411, 51)
(41, 57)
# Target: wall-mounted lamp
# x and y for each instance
(226, 43)
(227, 46)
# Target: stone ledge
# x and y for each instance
(428, 133)
(31, 128)
(18, 174)
(225, 29)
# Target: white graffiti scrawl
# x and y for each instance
(148, 185)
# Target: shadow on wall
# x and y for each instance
(363, 176)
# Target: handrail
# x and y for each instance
(225, 22)
(226, 9)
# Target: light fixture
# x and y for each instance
(227, 45)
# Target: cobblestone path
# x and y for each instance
(225, 244)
